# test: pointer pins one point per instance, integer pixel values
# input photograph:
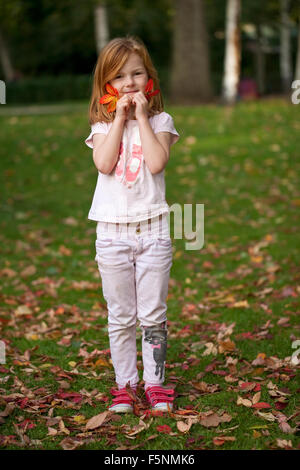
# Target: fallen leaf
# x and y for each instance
(241, 304)
(219, 441)
(261, 405)
(52, 431)
(164, 428)
(286, 428)
(244, 401)
(184, 427)
(29, 271)
(70, 443)
(284, 444)
(63, 428)
(97, 421)
(139, 428)
(267, 416)
(256, 398)
(213, 419)
(23, 310)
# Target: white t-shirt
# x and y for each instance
(130, 193)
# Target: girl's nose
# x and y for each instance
(129, 80)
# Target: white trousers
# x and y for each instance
(134, 262)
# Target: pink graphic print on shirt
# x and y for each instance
(119, 171)
(134, 164)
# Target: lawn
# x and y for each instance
(233, 305)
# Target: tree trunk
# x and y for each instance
(297, 70)
(7, 67)
(101, 26)
(232, 61)
(260, 62)
(285, 47)
(190, 79)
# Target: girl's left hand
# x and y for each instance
(141, 105)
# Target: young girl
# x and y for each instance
(131, 137)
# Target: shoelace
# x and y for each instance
(158, 394)
(121, 396)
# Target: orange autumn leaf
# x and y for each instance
(110, 98)
(102, 363)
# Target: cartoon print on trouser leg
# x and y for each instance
(157, 337)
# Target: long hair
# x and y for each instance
(111, 59)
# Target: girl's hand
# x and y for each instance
(123, 106)
(141, 105)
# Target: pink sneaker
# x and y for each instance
(123, 402)
(160, 398)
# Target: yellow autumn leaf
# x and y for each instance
(101, 363)
(241, 304)
(33, 337)
(46, 366)
(227, 299)
(79, 419)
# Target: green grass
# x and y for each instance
(242, 163)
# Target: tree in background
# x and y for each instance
(285, 46)
(232, 59)
(49, 40)
(8, 12)
(293, 14)
(190, 76)
(5, 60)
(101, 25)
(297, 68)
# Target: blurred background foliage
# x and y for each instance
(52, 48)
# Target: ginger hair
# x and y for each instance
(110, 61)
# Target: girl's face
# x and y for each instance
(132, 77)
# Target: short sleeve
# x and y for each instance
(97, 128)
(164, 123)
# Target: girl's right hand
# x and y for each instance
(123, 106)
